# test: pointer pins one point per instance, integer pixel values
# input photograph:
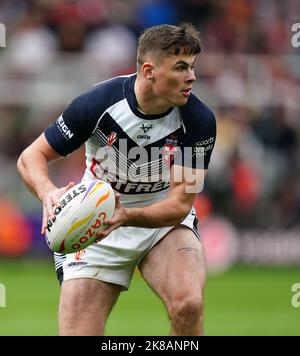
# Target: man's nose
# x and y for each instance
(191, 76)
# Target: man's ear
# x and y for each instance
(147, 70)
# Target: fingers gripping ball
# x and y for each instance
(83, 208)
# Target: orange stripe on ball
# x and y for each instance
(102, 199)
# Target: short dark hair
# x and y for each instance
(169, 39)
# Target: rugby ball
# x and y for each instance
(80, 216)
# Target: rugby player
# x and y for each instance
(151, 138)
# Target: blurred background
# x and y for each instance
(249, 73)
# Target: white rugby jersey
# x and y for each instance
(131, 150)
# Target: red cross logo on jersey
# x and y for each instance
(170, 149)
(169, 153)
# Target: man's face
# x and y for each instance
(173, 78)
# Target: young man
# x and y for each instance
(122, 121)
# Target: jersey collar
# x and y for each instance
(132, 101)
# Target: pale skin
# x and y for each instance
(175, 267)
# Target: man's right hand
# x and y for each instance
(50, 201)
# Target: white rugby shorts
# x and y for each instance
(114, 259)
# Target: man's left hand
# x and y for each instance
(120, 218)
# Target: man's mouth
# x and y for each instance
(187, 92)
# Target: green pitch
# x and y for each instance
(243, 301)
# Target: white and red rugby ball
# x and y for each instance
(83, 210)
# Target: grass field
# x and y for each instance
(243, 301)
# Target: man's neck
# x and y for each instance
(148, 102)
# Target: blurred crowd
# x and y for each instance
(248, 72)
(231, 26)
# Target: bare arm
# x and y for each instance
(33, 168)
(169, 212)
(174, 209)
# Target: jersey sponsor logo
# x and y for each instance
(65, 202)
(64, 128)
(198, 151)
(209, 141)
(139, 165)
(139, 188)
(147, 137)
(201, 148)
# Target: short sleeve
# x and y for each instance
(71, 129)
(199, 136)
(77, 124)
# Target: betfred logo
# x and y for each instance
(139, 188)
